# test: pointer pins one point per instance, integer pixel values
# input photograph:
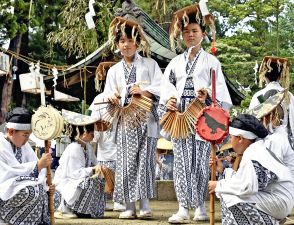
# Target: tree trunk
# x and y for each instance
(7, 83)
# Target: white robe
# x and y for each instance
(148, 76)
(11, 169)
(201, 79)
(288, 108)
(72, 171)
(278, 143)
(106, 147)
(277, 199)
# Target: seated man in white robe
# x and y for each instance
(23, 189)
(261, 191)
(82, 194)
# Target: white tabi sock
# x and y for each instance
(144, 204)
(131, 206)
(183, 211)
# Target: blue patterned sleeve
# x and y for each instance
(264, 176)
(35, 172)
(161, 110)
(172, 78)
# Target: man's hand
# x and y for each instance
(114, 99)
(45, 161)
(219, 164)
(136, 90)
(212, 186)
(202, 95)
(172, 104)
(52, 188)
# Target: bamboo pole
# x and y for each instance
(212, 178)
(49, 182)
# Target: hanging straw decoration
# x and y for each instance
(109, 177)
(180, 125)
(101, 73)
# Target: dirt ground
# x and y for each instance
(161, 211)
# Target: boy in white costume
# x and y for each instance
(186, 77)
(23, 189)
(81, 194)
(274, 73)
(272, 115)
(262, 189)
(106, 147)
(133, 75)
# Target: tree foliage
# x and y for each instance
(75, 36)
(247, 30)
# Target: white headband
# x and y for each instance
(19, 126)
(244, 133)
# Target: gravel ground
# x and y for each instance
(161, 211)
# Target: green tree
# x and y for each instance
(74, 35)
(25, 24)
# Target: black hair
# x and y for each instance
(192, 19)
(19, 115)
(249, 123)
(275, 73)
(128, 33)
(81, 129)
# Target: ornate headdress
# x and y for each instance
(181, 18)
(119, 25)
(271, 64)
(76, 119)
(269, 108)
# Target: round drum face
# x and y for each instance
(213, 124)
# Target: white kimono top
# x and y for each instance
(148, 76)
(106, 147)
(288, 109)
(201, 78)
(73, 169)
(275, 198)
(278, 143)
(14, 175)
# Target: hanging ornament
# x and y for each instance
(4, 64)
(89, 15)
(14, 69)
(255, 72)
(55, 73)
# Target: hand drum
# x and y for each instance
(213, 124)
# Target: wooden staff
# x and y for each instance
(49, 182)
(212, 125)
(213, 178)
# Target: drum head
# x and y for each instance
(213, 124)
(47, 123)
